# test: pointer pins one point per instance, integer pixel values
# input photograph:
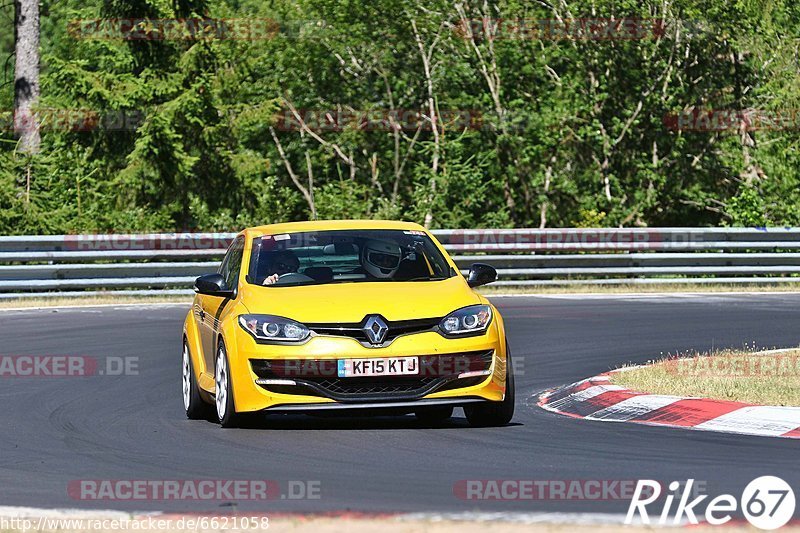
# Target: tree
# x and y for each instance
(453, 113)
(26, 74)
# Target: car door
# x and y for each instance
(211, 307)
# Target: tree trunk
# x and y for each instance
(26, 74)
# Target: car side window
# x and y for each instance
(232, 264)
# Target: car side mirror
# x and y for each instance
(481, 274)
(213, 285)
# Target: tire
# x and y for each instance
(193, 404)
(434, 415)
(494, 414)
(223, 394)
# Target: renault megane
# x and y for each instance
(319, 316)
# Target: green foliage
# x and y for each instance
(343, 199)
(589, 218)
(561, 132)
(747, 208)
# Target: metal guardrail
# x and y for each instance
(143, 264)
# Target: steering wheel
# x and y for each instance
(293, 277)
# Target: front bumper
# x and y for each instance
(404, 406)
(255, 390)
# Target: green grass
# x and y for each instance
(763, 379)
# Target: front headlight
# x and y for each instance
(469, 320)
(273, 328)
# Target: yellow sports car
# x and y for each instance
(314, 316)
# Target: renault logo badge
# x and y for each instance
(376, 329)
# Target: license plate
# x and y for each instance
(386, 366)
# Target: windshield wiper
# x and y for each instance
(423, 278)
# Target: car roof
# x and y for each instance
(323, 225)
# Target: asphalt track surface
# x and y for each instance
(57, 430)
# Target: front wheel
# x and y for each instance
(492, 414)
(193, 404)
(226, 411)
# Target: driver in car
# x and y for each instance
(381, 259)
(283, 262)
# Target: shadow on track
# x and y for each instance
(340, 422)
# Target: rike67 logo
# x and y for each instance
(767, 502)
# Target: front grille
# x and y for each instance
(383, 389)
(318, 377)
(356, 331)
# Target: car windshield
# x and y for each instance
(346, 256)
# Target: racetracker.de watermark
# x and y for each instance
(191, 29)
(51, 119)
(733, 120)
(58, 366)
(549, 489)
(144, 523)
(777, 365)
(579, 29)
(569, 239)
(193, 490)
(155, 241)
(337, 120)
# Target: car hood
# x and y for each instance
(351, 302)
